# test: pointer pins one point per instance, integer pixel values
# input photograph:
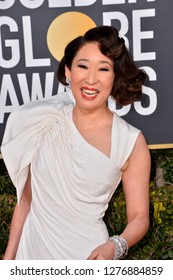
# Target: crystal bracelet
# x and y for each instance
(121, 246)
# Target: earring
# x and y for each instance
(68, 80)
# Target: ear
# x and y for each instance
(67, 72)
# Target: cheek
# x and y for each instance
(76, 76)
(109, 81)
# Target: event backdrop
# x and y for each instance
(33, 35)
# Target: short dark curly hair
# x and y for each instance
(127, 86)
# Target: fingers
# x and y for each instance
(100, 257)
(92, 256)
(103, 252)
(96, 256)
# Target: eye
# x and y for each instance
(82, 66)
(103, 69)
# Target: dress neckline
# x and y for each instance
(90, 145)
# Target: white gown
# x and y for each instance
(72, 182)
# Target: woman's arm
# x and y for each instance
(18, 219)
(135, 179)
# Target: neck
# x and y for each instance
(90, 118)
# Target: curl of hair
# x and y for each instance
(128, 81)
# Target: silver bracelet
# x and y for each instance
(121, 246)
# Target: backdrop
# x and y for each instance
(33, 35)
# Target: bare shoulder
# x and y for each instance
(141, 151)
(141, 144)
(140, 155)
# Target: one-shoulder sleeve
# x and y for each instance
(23, 133)
(126, 136)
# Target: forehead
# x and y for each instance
(91, 51)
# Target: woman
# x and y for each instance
(66, 160)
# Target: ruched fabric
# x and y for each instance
(72, 181)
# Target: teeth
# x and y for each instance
(89, 91)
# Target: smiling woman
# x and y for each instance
(72, 155)
(127, 77)
(92, 74)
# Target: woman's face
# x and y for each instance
(92, 77)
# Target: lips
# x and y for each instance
(89, 93)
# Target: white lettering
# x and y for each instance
(24, 87)
(109, 16)
(114, 108)
(7, 92)
(134, 1)
(110, 2)
(6, 4)
(123, 111)
(31, 4)
(59, 3)
(79, 3)
(13, 44)
(28, 46)
(139, 35)
(145, 111)
(36, 87)
(137, 105)
(150, 72)
(36, 90)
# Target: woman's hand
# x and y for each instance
(103, 252)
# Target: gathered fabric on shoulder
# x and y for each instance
(24, 130)
(72, 181)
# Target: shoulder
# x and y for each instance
(141, 149)
(36, 114)
(127, 138)
(39, 108)
(132, 136)
(126, 132)
(139, 158)
(55, 102)
(126, 126)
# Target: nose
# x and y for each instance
(91, 77)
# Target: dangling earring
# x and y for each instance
(68, 81)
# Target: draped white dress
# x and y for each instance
(72, 181)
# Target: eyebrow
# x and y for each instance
(101, 61)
